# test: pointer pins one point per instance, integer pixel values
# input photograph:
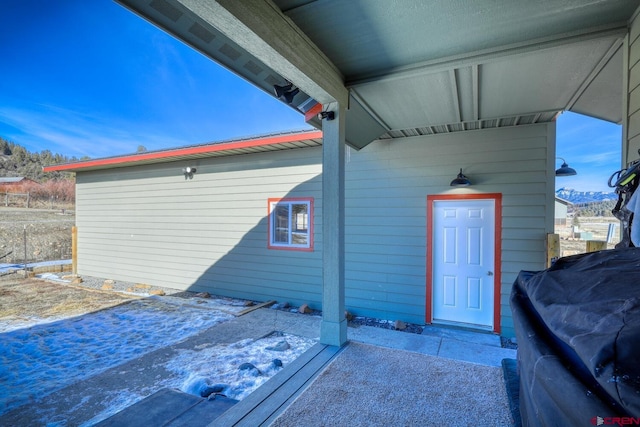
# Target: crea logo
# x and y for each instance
(615, 421)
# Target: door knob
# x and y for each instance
(489, 273)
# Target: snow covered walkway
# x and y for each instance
(81, 370)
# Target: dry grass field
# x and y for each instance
(27, 301)
(596, 227)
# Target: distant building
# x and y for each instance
(560, 215)
(12, 180)
(14, 184)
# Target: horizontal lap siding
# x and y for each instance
(632, 123)
(148, 224)
(386, 188)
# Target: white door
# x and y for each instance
(463, 261)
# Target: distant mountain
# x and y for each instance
(577, 197)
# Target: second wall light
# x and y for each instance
(460, 181)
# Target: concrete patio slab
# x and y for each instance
(395, 339)
(477, 337)
(475, 353)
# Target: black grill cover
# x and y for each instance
(578, 330)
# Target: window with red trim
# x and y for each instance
(291, 224)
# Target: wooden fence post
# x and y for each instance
(74, 249)
(553, 248)
(596, 245)
(24, 238)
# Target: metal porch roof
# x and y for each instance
(415, 67)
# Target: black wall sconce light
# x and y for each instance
(329, 115)
(188, 172)
(460, 181)
(565, 170)
(286, 92)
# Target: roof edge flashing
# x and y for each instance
(180, 152)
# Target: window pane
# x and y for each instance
(300, 224)
(291, 224)
(281, 224)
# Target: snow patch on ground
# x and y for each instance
(219, 365)
(40, 356)
(47, 357)
(225, 306)
(195, 370)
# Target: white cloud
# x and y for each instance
(78, 133)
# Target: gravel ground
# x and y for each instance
(376, 386)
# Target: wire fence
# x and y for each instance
(30, 235)
(33, 247)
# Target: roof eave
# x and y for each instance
(237, 147)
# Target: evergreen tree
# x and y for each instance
(16, 160)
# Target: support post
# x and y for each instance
(333, 329)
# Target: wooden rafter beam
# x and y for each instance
(261, 29)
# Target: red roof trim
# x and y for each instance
(313, 111)
(202, 149)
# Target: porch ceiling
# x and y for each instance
(417, 67)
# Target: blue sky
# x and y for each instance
(591, 147)
(90, 78)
